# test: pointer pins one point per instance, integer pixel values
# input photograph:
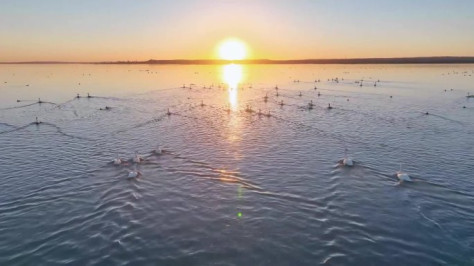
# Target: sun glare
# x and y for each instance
(232, 75)
(232, 49)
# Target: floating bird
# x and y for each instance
(281, 103)
(469, 95)
(248, 109)
(117, 161)
(78, 96)
(158, 150)
(259, 112)
(310, 105)
(347, 161)
(329, 106)
(39, 101)
(88, 96)
(137, 158)
(403, 176)
(134, 173)
(319, 94)
(427, 113)
(202, 103)
(300, 94)
(265, 99)
(168, 113)
(37, 122)
(268, 114)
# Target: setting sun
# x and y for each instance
(232, 49)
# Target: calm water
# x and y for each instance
(233, 187)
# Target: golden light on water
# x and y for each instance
(232, 75)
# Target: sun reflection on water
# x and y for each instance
(232, 75)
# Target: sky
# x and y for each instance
(112, 30)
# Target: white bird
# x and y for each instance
(117, 161)
(347, 161)
(137, 158)
(403, 176)
(158, 150)
(134, 174)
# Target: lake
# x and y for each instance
(240, 180)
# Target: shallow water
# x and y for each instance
(233, 187)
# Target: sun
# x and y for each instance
(232, 49)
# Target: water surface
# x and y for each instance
(233, 187)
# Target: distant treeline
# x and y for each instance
(399, 60)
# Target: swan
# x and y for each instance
(117, 161)
(134, 174)
(137, 158)
(158, 150)
(347, 161)
(403, 176)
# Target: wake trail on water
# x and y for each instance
(58, 129)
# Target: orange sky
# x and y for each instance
(141, 30)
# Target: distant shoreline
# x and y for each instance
(398, 60)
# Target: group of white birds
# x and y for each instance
(402, 176)
(136, 159)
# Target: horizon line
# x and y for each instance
(369, 60)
